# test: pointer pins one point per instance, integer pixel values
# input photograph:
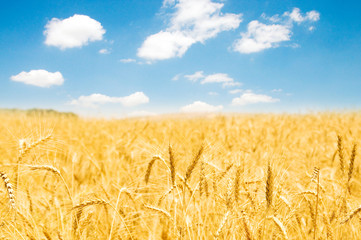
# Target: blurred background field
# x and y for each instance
(245, 176)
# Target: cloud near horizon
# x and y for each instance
(75, 31)
(252, 98)
(200, 107)
(192, 22)
(96, 99)
(39, 78)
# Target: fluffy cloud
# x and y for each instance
(296, 15)
(313, 16)
(127, 60)
(104, 51)
(176, 77)
(251, 98)
(195, 76)
(235, 91)
(192, 22)
(39, 78)
(260, 36)
(165, 45)
(96, 99)
(74, 31)
(200, 107)
(217, 78)
(213, 78)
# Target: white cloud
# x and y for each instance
(127, 60)
(39, 78)
(176, 77)
(251, 98)
(74, 31)
(134, 99)
(261, 36)
(165, 45)
(192, 22)
(96, 99)
(217, 78)
(296, 16)
(277, 90)
(104, 51)
(200, 107)
(231, 84)
(223, 78)
(235, 91)
(275, 18)
(313, 16)
(195, 76)
(311, 28)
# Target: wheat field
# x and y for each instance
(259, 176)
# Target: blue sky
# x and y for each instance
(127, 58)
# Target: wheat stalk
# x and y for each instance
(316, 173)
(167, 193)
(351, 215)
(280, 226)
(236, 184)
(246, 227)
(221, 225)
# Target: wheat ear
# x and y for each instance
(9, 189)
(159, 210)
(149, 168)
(25, 148)
(193, 164)
(54, 171)
(203, 185)
(340, 153)
(269, 186)
(90, 203)
(171, 164)
(351, 166)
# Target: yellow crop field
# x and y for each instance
(260, 176)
